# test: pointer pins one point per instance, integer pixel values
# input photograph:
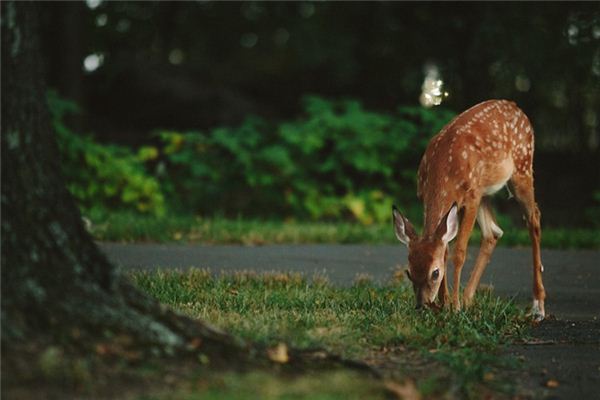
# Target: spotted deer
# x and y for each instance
(471, 158)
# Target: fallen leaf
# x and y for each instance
(405, 391)
(195, 343)
(552, 383)
(204, 360)
(279, 353)
(102, 349)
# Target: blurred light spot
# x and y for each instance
(307, 10)
(281, 36)
(572, 32)
(249, 40)
(431, 90)
(92, 62)
(596, 32)
(176, 56)
(252, 11)
(92, 4)
(522, 83)
(101, 20)
(123, 25)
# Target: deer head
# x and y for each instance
(427, 254)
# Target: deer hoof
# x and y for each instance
(537, 310)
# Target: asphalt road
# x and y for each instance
(567, 352)
(571, 278)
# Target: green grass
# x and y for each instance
(335, 385)
(356, 322)
(129, 227)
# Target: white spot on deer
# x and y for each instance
(464, 154)
(528, 129)
(450, 159)
(444, 194)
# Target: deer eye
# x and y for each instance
(435, 274)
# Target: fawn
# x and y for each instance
(472, 157)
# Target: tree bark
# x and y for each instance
(54, 278)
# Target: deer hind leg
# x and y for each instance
(460, 248)
(490, 233)
(524, 192)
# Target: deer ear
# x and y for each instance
(402, 227)
(449, 225)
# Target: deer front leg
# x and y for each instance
(490, 233)
(444, 296)
(460, 248)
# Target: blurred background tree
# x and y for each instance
(136, 68)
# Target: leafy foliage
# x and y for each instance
(102, 177)
(337, 161)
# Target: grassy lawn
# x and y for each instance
(126, 227)
(455, 355)
(338, 385)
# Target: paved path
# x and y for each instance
(571, 278)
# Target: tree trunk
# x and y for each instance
(57, 287)
(55, 281)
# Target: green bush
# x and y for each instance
(102, 177)
(337, 161)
